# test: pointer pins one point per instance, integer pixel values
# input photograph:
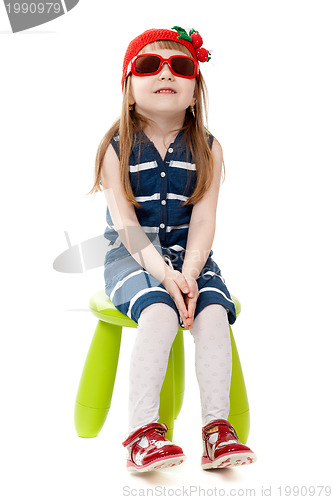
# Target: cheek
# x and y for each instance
(189, 85)
(140, 85)
(189, 88)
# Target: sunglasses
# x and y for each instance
(151, 64)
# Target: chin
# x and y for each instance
(166, 108)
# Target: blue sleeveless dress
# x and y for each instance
(160, 186)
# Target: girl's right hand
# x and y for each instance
(175, 284)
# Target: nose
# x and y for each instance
(165, 72)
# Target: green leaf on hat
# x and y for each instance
(182, 33)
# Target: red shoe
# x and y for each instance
(148, 449)
(223, 448)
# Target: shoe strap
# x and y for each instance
(136, 434)
(217, 423)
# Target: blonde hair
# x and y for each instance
(130, 122)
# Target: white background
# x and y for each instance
(270, 83)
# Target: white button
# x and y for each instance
(163, 202)
(162, 174)
(162, 226)
(170, 150)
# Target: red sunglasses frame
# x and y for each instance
(131, 66)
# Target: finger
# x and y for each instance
(190, 301)
(193, 288)
(189, 323)
(190, 315)
(183, 284)
(190, 304)
(190, 308)
(187, 303)
(178, 298)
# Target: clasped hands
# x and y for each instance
(183, 289)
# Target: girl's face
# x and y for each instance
(164, 94)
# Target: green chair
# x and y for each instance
(97, 380)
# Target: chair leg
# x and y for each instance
(179, 371)
(167, 397)
(97, 380)
(239, 415)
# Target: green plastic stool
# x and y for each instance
(97, 380)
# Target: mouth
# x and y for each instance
(165, 90)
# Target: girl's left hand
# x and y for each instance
(190, 300)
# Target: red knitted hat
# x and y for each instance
(193, 42)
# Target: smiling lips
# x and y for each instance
(165, 90)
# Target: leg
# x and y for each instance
(157, 328)
(221, 445)
(147, 446)
(173, 388)
(213, 361)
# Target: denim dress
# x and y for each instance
(160, 186)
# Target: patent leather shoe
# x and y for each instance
(148, 449)
(223, 448)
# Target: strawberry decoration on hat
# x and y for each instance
(195, 38)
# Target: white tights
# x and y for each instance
(157, 328)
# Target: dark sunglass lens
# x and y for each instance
(147, 64)
(183, 66)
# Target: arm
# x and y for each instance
(203, 222)
(133, 236)
(126, 222)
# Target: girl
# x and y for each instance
(160, 170)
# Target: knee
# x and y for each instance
(213, 311)
(211, 317)
(159, 313)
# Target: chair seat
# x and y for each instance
(102, 307)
